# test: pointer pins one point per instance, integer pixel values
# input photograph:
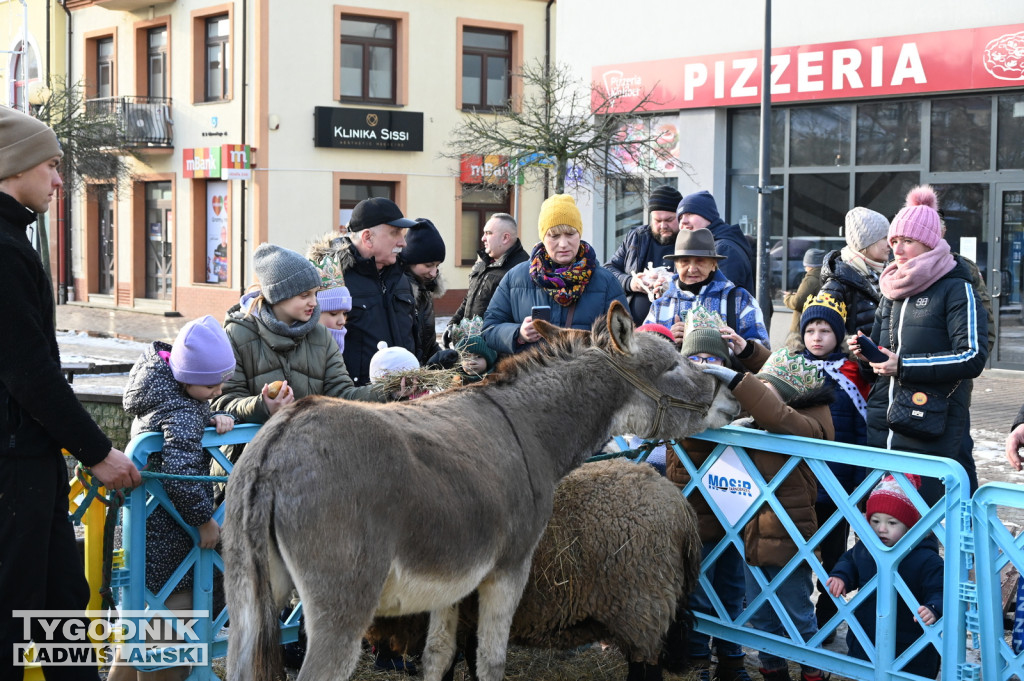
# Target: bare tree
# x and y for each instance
(93, 140)
(561, 125)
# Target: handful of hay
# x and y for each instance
(421, 380)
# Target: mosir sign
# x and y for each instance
(946, 61)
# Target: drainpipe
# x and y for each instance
(242, 212)
(64, 235)
(47, 43)
(547, 74)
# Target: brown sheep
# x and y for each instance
(620, 552)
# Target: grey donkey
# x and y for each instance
(405, 508)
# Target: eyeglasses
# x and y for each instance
(705, 360)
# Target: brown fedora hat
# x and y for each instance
(699, 243)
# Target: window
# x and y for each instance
(486, 67)
(104, 74)
(351, 192)
(24, 72)
(368, 59)
(156, 62)
(820, 136)
(1010, 135)
(478, 205)
(961, 133)
(888, 133)
(217, 58)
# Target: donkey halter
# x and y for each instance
(663, 400)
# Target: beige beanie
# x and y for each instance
(25, 142)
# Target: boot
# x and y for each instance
(732, 669)
(701, 667)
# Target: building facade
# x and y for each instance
(868, 100)
(263, 121)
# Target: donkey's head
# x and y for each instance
(665, 395)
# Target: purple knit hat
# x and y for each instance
(202, 354)
(919, 218)
(334, 299)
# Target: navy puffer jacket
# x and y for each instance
(850, 286)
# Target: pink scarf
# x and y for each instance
(916, 274)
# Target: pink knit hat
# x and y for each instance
(919, 218)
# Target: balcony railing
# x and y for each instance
(142, 121)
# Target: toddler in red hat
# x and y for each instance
(892, 513)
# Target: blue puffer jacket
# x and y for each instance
(922, 571)
(714, 296)
(517, 294)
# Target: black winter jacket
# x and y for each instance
(941, 337)
(39, 413)
(636, 250)
(850, 286)
(738, 267)
(383, 305)
(423, 326)
(487, 273)
(160, 404)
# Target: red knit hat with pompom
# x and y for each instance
(919, 218)
(888, 497)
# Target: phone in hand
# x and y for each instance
(870, 350)
(541, 312)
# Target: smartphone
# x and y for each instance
(541, 312)
(870, 350)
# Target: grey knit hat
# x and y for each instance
(813, 257)
(864, 227)
(25, 142)
(283, 273)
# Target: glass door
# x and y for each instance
(1007, 282)
(105, 208)
(159, 241)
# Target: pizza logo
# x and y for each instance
(919, 399)
(1004, 56)
(217, 203)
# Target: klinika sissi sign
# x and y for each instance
(368, 129)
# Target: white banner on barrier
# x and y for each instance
(730, 485)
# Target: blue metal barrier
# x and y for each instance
(995, 548)
(131, 580)
(949, 519)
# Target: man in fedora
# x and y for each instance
(698, 279)
(646, 244)
(700, 211)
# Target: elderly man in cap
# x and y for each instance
(41, 568)
(699, 281)
(699, 211)
(383, 304)
(645, 244)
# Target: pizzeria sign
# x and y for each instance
(943, 61)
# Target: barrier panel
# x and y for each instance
(205, 564)
(995, 548)
(736, 491)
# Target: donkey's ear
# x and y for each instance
(547, 330)
(620, 328)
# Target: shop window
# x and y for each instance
(211, 53)
(486, 67)
(884, 192)
(888, 133)
(351, 192)
(961, 131)
(820, 135)
(1010, 133)
(369, 48)
(745, 138)
(478, 205)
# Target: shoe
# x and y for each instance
(817, 675)
(775, 674)
(830, 639)
(731, 669)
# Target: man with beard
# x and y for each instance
(646, 244)
(423, 254)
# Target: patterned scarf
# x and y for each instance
(565, 284)
(833, 369)
(917, 274)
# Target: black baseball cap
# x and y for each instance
(377, 211)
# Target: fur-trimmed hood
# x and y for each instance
(337, 246)
(439, 290)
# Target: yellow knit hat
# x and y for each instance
(559, 209)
